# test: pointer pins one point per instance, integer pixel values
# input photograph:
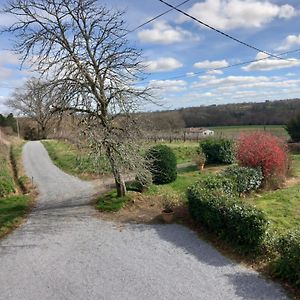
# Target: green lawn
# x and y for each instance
(235, 131)
(73, 160)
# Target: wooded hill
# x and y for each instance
(265, 113)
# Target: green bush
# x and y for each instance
(293, 129)
(246, 179)
(218, 210)
(288, 264)
(163, 166)
(218, 150)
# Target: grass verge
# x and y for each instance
(75, 161)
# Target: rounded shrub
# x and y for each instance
(163, 165)
(265, 151)
(246, 179)
(218, 150)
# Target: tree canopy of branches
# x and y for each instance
(83, 48)
(34, 100)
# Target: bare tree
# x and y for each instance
(83, 47)
(34, 100)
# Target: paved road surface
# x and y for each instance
(64, 252)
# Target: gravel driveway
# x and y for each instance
(64, 252)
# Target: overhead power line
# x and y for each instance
(219, 31)
(223, 68)
(158, 16)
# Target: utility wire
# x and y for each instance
(158, 16)
(219, 31)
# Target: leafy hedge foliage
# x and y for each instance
(218, 150)
(214, 206)
(163, 165)
(265, 151)
(246, 179)
(6, 180)
(293, 129)
(288, 264)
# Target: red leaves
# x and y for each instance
(263, 150)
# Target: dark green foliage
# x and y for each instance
(216, 208)
(288, 264)
(6, 180)
(141, 183)
(8, 121)
(218, 150)
(246, 179)
(293, 129)
(163, 166)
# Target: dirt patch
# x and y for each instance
(140, 209)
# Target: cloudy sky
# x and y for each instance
(187, 62)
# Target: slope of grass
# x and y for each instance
(12, 210)
(73, 160)
(13, 206)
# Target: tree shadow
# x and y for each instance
(251, 285)
(187, 240)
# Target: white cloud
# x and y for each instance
(164, 64)
(215, 72)
(231, 14)
(163, 33)
(8, 57)
(289, 42)
(168, 85)
(268, 64)
(206, 64)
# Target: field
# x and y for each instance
(235, 131)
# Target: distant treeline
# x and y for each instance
(266, 113)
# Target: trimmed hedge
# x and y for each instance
(222, 213)
(163, 164)
(218, 150)
(288, 264)
(246, 179)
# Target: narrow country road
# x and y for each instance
(64, 252)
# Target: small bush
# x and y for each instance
(246, 179)
(265, 151)
(163, 164)
(218, 150)
(110, 202)
(288, 264)
(141, 183)
(231, 219)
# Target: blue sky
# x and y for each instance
(176, 47)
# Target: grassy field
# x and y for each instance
(235, 131)
(13, 205)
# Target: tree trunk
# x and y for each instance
(120, 186)
(119, 180)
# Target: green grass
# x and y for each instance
(12, 210)
(110, 202)
(235, 131)
(73, 160)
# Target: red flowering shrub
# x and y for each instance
(266, 151)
